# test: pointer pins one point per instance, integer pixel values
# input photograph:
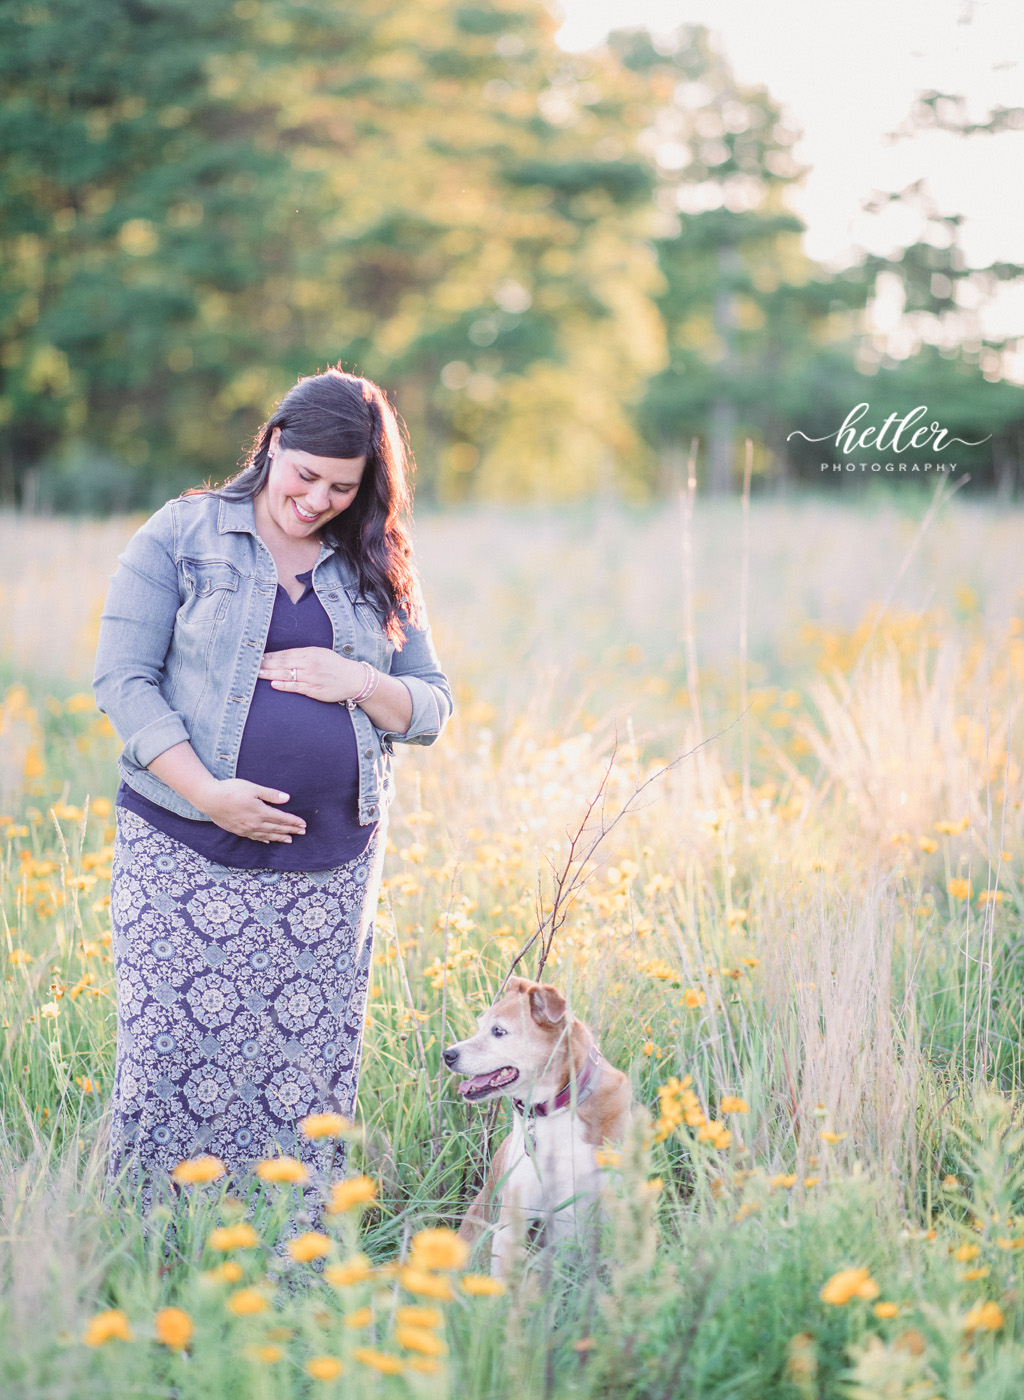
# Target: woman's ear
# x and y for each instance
(275, 437)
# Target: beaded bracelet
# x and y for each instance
(371, 680)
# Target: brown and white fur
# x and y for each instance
(529, 1047)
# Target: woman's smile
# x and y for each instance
(303, 492)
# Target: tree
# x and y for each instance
(202, 203)
(748, 317)
(143, 200)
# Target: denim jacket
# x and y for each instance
(182, 637)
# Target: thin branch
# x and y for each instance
(573, 875)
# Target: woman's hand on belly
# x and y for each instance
(324, 675)
(247, 809)
(317, 672)
(235, 804)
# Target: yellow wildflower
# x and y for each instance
(950, 1182)
(286, 1169)
(884, 1310)
(972, 1275)
(419, 1339)
(19, 958)
(991, 897)
(784, 1180)
(378, 1361)
(693, 998)
(265, 1352)
(959, 889)
(198, 1170)
(831, 1137)
(984, 1317)
(246, 1302)
(173, 1327)
(321, 1125)
(481, 1286)
(439, 1248)
(606, 1157)
(847, 1284)
(357, 1191)
(810, 1181)
(324, 1368)
(106, 1326)
(732, 1104)
(948, 828)
(353, 1270)
(228, 1272)
(412, 1315)
(309, 1246)
(426, 1284)
(966, 1252)
(362, 1317)
(928, 845)
(717, 1134)
(238, 1236)
(426, 1364)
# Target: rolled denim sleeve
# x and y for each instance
(135, 634)
(419, 670)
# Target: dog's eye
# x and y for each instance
(498, 1030)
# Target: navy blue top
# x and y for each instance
(303, 746)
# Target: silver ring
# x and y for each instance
(295, 674)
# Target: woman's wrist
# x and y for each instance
(370, 681)
(181, 768)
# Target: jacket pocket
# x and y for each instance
(373, 641)
(207, 586)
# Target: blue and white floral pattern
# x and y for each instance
(241, 997)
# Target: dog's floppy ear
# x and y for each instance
(547, 1005)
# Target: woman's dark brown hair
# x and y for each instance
(335, 414)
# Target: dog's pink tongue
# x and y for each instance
(479, 1081)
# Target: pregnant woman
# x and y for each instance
(262, 647)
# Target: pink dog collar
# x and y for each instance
(585, 1084)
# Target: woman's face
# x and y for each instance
(303, 492)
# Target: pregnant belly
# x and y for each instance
(304, 747)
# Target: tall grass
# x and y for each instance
(838, 946)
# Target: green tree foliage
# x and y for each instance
(203, 201)
(751, 322)
(143, 202)
(562, 267)
(760, 340)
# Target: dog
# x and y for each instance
(569, 1102)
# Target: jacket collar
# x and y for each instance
(235, 517)
(239, 518)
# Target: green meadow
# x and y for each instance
(796, 924)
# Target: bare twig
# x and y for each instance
(686, 499)
(744, 600)
(573, 875)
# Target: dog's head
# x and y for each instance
(522, 1047)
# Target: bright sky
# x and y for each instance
(846, 73)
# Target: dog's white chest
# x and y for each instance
(554, 1172)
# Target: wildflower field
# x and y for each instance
(803, 942)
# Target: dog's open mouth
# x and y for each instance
(483, 1084)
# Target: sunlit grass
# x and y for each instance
(812, 973)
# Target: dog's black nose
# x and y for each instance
(451, 1056)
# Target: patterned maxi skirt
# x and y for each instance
(241, 997)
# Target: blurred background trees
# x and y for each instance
(563, 267)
